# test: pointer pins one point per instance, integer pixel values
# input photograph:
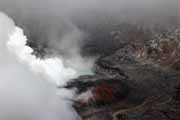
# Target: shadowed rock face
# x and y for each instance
(132, 82)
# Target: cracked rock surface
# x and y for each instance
(140, 80)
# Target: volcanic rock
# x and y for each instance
(137, 81)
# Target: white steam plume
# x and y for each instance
(24, 95)
(52, 68)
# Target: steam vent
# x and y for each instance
(89, 59)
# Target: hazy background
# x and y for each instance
(48, 22)
(54, 27)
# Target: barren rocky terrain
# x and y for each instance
(136, 73)
(136, 80)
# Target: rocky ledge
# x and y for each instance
(139, 81)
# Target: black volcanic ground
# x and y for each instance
(136, 74)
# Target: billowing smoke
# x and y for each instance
(50, 30)
(25, 93)
(53, 68)
(28, 85)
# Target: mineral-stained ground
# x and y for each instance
(136, 74)
(137, 78)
